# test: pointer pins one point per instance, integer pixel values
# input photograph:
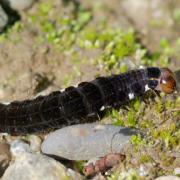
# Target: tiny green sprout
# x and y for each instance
(131, 121)
(178, 41)
(79, 165)
(116, 44)
(168, 137)
(140, 53)
(157, 23)
(116, 118)
(137, 140)
(164, 43)
(167, 50)
(136, 105)
(146, 124)
(67, 80)
(159, 106)
(45, 8)
(84, 17)
(164, 61)
(123, 68)
(114, 175)
(17, 27)
(131, 174)
(3, 37)
(89, 35)
(32, 18)
(176, 15)
(145, 158)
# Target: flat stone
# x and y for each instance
(168, 178)
(3, 19)
(86, 141)
(18, 4)
(28, 165)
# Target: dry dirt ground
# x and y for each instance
(26, 63)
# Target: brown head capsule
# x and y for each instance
(167, 81)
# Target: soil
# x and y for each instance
(24, 62)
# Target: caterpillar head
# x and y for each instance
(166, 81)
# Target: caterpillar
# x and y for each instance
(76, 104)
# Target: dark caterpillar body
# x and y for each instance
(75, 104)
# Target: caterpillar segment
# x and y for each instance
(76, 104)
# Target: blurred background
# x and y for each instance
(52, 44)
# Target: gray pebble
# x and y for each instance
(3, 19)
(28, 166)
(35, 143)
(18, 4)
(168, 178)
(18, 148)
(86, 141)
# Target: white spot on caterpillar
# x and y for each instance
(164, 82)
(147, 88)
(76, 85)
(6, 103)
(102, 108)
(141, 67)
(131, 95)
(62, 90)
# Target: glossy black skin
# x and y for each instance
(76, 104)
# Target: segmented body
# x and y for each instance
(75, 104)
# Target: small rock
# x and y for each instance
(168, 178)
(28, 166)
(5, 157)
(35, 143)
(3, 19)
(86, 141)
(177, 171)
(19, 147)
(18, 4)
(99, 177)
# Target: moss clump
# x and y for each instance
(137, 140)
(145, 158)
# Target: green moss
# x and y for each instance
(117, 44)
(116, 118)
(176, 15)
(45, 9)
(145, 158)
(63, 30)
(79, 166)
(157, 23)
(129, 175)
(131, 119)
(16, 28)
(137, 140)
(168, 136)
(67, 80)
